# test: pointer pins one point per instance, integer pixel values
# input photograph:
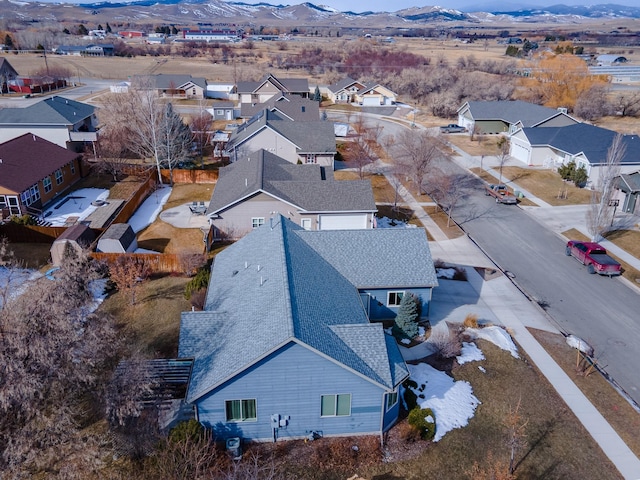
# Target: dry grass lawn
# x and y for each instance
(628, 272)
(152, 325)
(544, 184)
(482, 145)
(442, 219)
(382, 191)
(619, 413)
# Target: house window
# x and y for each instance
(58, 174)
(335, 405)
(219, 112)
(72, 167)
(46, 182)
(310, 158)
(14, 206)
(193, 92)
(241, 410)
(392, 399)
(394, 299)
(306, 223)
(30, 195)
(257, 222)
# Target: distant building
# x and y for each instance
(131, 34)
(212, 35)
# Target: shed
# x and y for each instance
(77, 237)
(119, 238)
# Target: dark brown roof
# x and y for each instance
(26, 160)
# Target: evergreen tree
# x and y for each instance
(82, 30)
(100, 27)
(317, 97)
(406, 322)
(174, 30)
(8, 41)
(108, 28)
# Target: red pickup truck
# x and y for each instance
(594, 256)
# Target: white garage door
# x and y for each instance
(520, 152)
(342, 222)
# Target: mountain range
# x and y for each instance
(219, 11)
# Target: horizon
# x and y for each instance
(360, 6)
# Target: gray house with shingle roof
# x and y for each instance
(175, 85)
(67, 123)
(255, 188)
(586, 145)
(628, 191)
(293, 107)
(268, 86)
(304, 142)
(284, 348)
(506, 116)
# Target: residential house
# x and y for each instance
(628, 192)
(345, 90)
(7, 73)
(219, 90)
(220, 34)
(174, 85)
(34, 171)
(284, 348)
(585, 144)
(67, 123)
(253, 189)
(91, 50)
(292, 107)
(506, 116)
(268, 86)
(304, 142)
(349, 90)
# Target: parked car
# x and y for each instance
(501, 193)
(594, 256)
(452, 128)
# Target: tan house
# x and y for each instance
(254, 189)
(175, 86)
(34, 171)
(349, 90)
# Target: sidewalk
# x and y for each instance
(516, 312)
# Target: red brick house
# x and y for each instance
(34, 171)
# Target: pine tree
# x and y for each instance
(317, 97)
(108, 28)
(406, 323)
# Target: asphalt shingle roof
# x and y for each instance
(288, 85)
(593, 141)
(27, 159)
(292, 106)
(166, 81)
(511, 111)
(309, 137)
(50, 111)
(271, 288)
(304, 186)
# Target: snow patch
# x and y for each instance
(150, 209)
(470, 353)
(452, 402)
(496, 335)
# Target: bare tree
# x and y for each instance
(503, 154)
(627, 104)
(127, 273)
(113, 153)
(175, 140)
(447, 189)
(52, 352)
(600, 214)
(415, 153)
(516, 435)
(201, 129)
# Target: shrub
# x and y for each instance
(199, 282)
(189, 430)
(471, 320)
(23, 220)
(406, 322)
(424, 421)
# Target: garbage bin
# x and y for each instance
(520, 194)
(517, 193)
(234, 448)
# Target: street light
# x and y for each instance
(614, 203)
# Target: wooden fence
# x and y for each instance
(186, 264)
(34, 233)
(131, 205)
(190, 176)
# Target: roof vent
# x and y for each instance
(246, 182)
(34, 138)
(259, 268)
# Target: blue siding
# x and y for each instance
(378, 309)
(291, 382)
(391, 416)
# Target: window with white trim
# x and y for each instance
(30, 195)
(58, 174)
(219, 112)
(257, 222)
(46, 182)
(72, 167)
(306, 223)
(394, 299)
(241, 410)
(338, 405)
(310, 158)
(392, 399)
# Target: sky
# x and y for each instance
(385, 6)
